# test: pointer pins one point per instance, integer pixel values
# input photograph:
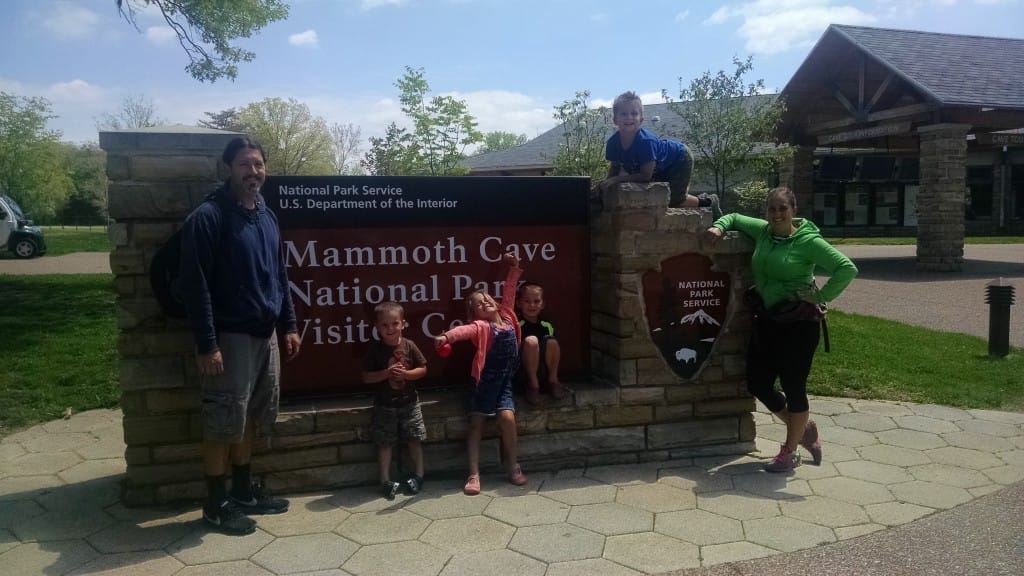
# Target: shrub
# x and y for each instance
(750, 198)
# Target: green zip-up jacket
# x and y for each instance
(784, 269)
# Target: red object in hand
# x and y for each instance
(444, 350)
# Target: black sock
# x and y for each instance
(703, 202)
(241, 482)
(216, 488)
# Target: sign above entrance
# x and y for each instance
(864, 133)
(1000, 139)
(685, 305)
(427, 243)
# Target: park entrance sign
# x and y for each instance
(685, 304)
(353, 242)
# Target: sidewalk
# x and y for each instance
(886, 465)
(889, 287)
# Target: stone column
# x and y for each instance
(1000, 187)
(797, 173)
(940, 201)
(155, 179)
(634, 234)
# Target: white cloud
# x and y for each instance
(772, 26)
(682, 15)
(74, 92)
(160, 34)
(508, 111)
(68, 20)
(493, 110)
(307, 38)
(75, 104)
(645, 97)
(371, 4)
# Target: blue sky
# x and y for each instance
(511, 60)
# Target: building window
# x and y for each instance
(855, 204)
(978, 200)
(887, 204)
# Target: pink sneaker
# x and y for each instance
(811, 442)
(517, 477)
(786, 461)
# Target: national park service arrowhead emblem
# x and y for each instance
(685, 305)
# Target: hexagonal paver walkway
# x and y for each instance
(886, 465)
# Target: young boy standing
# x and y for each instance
(394, 363)
(637, 155)
(540, 351)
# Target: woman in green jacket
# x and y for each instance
(786, 252)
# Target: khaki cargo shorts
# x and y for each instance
(247, 392)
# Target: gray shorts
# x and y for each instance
(247, 393)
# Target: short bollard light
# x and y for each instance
(999, 297)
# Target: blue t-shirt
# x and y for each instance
(646, 147)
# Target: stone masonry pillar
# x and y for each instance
(634, 234)
(797, 173)
(156, 176)
(940, 201)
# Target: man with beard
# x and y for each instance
(235, 288)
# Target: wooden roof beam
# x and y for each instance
(890, 114)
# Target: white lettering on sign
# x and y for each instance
(492, 249)
(446, 251)
(865, 133)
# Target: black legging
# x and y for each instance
(783, 351)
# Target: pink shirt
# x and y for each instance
(479, 331)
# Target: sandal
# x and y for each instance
(517, 477)
(472, 487)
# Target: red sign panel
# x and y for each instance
(427, 257)
(685, 305)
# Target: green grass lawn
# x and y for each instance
(59, 347)
(60, 241)
(886, 360)
(911, 240)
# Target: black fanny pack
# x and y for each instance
(788, 312)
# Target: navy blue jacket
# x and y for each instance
(232, 276)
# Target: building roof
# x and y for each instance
(540, 152)
(952, 69)
(172, 129)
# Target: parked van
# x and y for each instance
(17, 233)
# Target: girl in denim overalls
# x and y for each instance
(494, 330)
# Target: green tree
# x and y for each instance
(32, 168)
(500, 140)
(87, 167)
(751, 197)
(584, 128)
(223, 120)
(136, 112)
(730, 126)
(442, 129)
(297, 143)
(347, 140)
(391, 155)
(206, 30)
